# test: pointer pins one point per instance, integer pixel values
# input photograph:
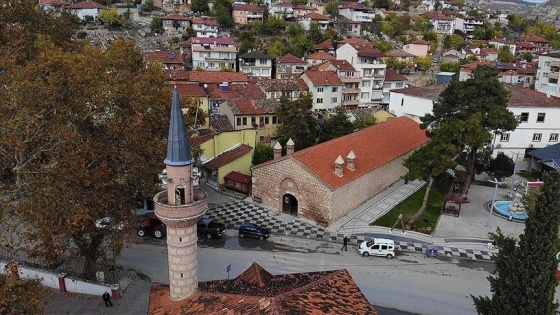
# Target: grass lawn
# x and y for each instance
(427, 222)
(530, 177)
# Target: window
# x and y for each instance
(274, 120)
(261, 139)
(253, 121)
(505, 137)
(537, 137)
(224, 55)
(320, 89)
(524, 117)
(366, 83)
(553, 137)
(265, 71)
(540, 117)
(367, 72)
(402, 101)
(364, 95)
(387, 85)
(238, 121)
(334, 100)
(319, 101)
(244, 121)
(211, 65)
(399, 85)
(267, 120)
(335, 89)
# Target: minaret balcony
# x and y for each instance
(184, 213)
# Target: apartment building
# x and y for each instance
(547, 74)
(213, 54)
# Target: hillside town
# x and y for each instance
(359, 82)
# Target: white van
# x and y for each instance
(378, 247)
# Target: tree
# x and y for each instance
(505, 54)
(337, 125)
(430, 35)
(453, 41)
(500, 167)
(111, 17)
(94, 133)
(200, 6)
(423, 63)
(156, 25)
(332, 10)
(223, 10)
(365, 121)
(383, 45)
(20, 296)
(428, 162)
(263, 153)
(527, 56)
(277, 49)
(468, 113)
(450, 66)
(297, 122)
(148, 6)
(315, 33)
(525, 277)
(275, 24)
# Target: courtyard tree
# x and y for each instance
(82, 135)
(337, 125)
(296, 121)
(428, 162)
(263, 152)
(499, 167)
(468, 114)
(525, 278)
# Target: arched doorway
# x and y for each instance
(289, 205)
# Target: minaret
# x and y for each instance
(180, 207)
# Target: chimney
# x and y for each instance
(277, 151)
(338, 166)
(350, 160)
(290, 147)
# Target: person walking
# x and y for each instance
(107, 299)
(345, 243)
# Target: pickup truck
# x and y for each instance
(210, 228)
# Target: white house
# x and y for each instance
(283, 9)
(547, 74)
(539, 116)
(326, 88)
(256, 64)
(86, 10)
(213, 54)
(205, 26)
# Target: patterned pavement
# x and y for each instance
(232, 214)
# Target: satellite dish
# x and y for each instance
(202, 158)
(205, 85)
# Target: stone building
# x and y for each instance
(327, 181)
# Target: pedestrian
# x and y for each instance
(107, 299)
(345, 243)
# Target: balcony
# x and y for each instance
(350, 91)
(351, 103)
(553, 75)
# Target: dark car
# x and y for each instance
(252, 230)
(210, 228)
(152, 225)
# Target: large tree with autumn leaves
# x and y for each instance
(82, 133)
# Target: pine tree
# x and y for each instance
(525, 279)
(297, 122)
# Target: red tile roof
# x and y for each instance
(289, 58)
(253, 107)
(303, 7)
(524, 97)
(256, 291)
(194, 90)
(282, 4)
(175, 17)
(217, 77)
(374, 147)
(204, 21)
(326, 44)
(177, 74)
(421, 42)
(245, 90)
(430, 92)
(370, 52)
(317, 16)
(391, 75)
(227, 157)
(355, 40)
(86, 5)
(342, 65)
(238, 177)
(322, 78)
(212, 40)
(165, 57)
(320, 55)
(533, 39)
(248, 7)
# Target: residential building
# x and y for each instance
(393, 81)
(256, 64)
(471, 23)
(48, 5)
(289, 66)
(175, 23)
(205, 26)
(498, 43)
(292, 88)
(319, 6)
(87, 10)
(170, 60)
(419, 48)
(356, 11)
(518, 73)
(545, 159)
(318, 58)
(535, 40)
(259, 115)
(213, 54)
(367, 61)
(442, 24)
(538, 113)
(196, 94)
(325, 182)
(348, 27)
(350, 77)
(326, 46)
(301, 10)
(256, 291)
(322, 21)
(326, 88)
(244, 14)
(227, 91)
(547, 74)
(283, 9)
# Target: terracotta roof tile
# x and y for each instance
(391, 75)
(227, 157)
(370, 52)
(321, 55)
(238, 177)
(86, 5)
(278, 85)
(421, 42)
(217, 77)
(204, 21)
(248, 7)
(165, 57)
(317, 16)
(177, 74)
(220, 123)
(534, 39)
(186, 89)
(322, 78)
(282, 4)
(175, 17)
(430, 92)
(253, 107)
(374, 147)
(342, 65)
(326, 44)
(212, 40)
(303, 7)
(524, 97)
(289, 58)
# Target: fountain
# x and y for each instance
(514, 208)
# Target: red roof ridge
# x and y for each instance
(255, 275)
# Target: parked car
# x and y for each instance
(210, 228)
(252, 230)
(377, 247)
(152, 225)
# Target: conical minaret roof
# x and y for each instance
(178, 145)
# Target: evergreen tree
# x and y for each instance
(525, 278)
(337, 125)
(297, 122)
(200, 6)
(223, 10)
(500, 167)
(468, 113)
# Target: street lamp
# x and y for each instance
(496, 183)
